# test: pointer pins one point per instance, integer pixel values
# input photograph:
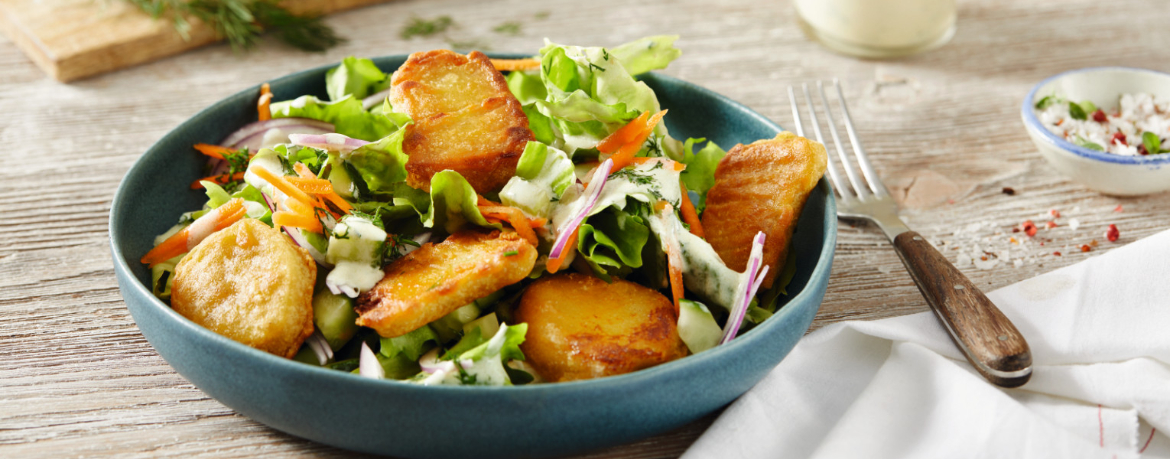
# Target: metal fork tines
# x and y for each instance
(987, 338)
(856, 198)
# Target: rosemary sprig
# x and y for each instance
(242, 21)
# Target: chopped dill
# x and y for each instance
(242, 21)
(508, 28)
(419, 27)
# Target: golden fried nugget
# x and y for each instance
(580, 327)
(436, 279)
(465, 119)
(761, 187)
(249, 283)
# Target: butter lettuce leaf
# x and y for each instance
(646, 54)
(453, 204)
(543, 173)
(382, 164)
(357, 77)
(346, 114)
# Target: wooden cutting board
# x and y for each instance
(73, 39)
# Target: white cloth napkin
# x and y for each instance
(1099, 332)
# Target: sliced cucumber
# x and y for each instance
(342, 184)
(697, 327)
(335, 318)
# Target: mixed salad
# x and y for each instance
(604, 189)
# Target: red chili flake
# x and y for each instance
(1054, 213)
(1142, 150)
(1029, 228)
(1050, 225)
(1016, 229)
(1117, 209)
(1056, 253)
(983, 258)
(1041, 243)
(1058, 122)
(1120, 138)
(1099, 116)
(1009, 191)
(1086, 248)
(1093, 243)
(1112, 233)
(950, 201)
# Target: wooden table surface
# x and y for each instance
(78, 379)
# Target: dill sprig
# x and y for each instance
(242, 21)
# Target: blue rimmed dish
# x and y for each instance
(1105, 172)
(399, 419)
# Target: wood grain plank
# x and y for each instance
(79, 380)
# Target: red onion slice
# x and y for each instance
(431, 364)
(753, 277)
(368, 365)
(592, 193)
(375, 99)
(320, 346)
(330, 142)
(254, 132)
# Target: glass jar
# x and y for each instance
(877, 28)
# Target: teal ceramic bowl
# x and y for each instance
(398, 419)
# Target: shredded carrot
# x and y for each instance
(303, 171)
(676, 282)
(217, 179)
(214, 151)
(280, 182)
(625, 155)
(178, 244)
(689, 215)
(296, 221)
(511, 65)
(554, 264)
(311, 185)
(624, 134)
(514, 217)
(537, 222)
(262, 105)
(299, 215)
(482, 201)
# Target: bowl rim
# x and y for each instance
(1032, 123)
(122, 268)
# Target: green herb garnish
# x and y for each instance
(1077, 112)
(1153, 143)
(1046, 102)
(419, 27)
(511, 253)
(1087, 144)
(242, 21)
(508, 28)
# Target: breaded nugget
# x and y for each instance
(436, 279)
(761, 187)
(465, 119)
(249, 283)
(580, 327)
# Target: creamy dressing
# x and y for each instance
(879, 24)
(703, 271)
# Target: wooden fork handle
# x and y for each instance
(988, 339)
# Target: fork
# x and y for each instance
(985, 336)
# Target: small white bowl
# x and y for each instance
(1104, 172)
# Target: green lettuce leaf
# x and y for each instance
(699, 176)
(614, 238)
(506, 345)
(382, 164)
(589, 93)
(542, 176)
(453, 204)
(412, 345)
(346, 114)
(646, 54)
(358, 77)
